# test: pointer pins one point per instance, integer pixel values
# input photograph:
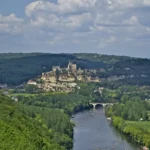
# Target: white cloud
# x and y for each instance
(82, 14)
(11, 18)
(78, 20)
(75, 5)
(104, 42)
(86, 24)
(56, 40)
(147, 2)
(127, 3)
(31, 8)
(11, 24)
(133, 20)
(108, 21)
(3, 27)
(62, 6)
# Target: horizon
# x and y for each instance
(74, 54)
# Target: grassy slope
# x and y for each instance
(31, 95)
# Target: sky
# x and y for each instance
(116, 27)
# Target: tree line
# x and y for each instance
(132, 109)
(135, 110)
(139, 135)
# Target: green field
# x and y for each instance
(22, 94)
(31, 95)
(145, 125)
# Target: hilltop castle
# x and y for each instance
(71, 68)
(64, 79)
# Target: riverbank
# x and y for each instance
(138, 134)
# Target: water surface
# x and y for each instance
(94, 132)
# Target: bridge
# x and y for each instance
(103, 104)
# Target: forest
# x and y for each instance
(70, 103)
(136, 70)
(132, 109)
(16, 69)
(23, 131)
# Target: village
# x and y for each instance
(63, 79)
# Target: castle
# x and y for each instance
(64, 79)
(72, 67)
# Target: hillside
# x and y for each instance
(17, 69)
(17, 131)
(129, 69)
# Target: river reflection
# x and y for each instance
(94, 132)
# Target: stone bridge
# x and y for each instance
(103, 104)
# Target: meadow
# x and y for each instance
(144, 125)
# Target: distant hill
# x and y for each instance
(18, 68)
(17, 55)
(108, 59)
(137, 70)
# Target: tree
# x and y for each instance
(31, 89)
(124, 98)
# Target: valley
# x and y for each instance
(67, 85)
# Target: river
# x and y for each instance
(94, 132)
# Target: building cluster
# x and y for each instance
(64, 79)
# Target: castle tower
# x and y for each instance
(72, 67)
(55, 68)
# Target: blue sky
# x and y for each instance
(120, 27)
(14, 6)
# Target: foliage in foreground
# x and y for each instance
(19, 131)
